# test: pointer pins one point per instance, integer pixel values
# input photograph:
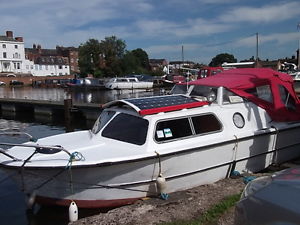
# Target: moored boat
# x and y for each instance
(243, 120)
(128, 83)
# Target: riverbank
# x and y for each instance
(181, 206)
(184, 205)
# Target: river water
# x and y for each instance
(13, 209)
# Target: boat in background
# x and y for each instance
(207, 71)
(172, 79)
(241, 120)
(291, 69)
(128, 83)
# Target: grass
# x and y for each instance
(212, 215)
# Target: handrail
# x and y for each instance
(40, 148)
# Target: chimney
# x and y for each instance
(9, 34)
(19, 39)
(39, 47)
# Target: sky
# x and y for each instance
(163, 28)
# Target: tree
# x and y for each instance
(218, 60)
(142, 58)
(129, 63)
(113, 50)
(135, 62)
(89, 57)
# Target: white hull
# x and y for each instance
(108, 185)
(128, 83)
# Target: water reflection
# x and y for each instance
(13, 207)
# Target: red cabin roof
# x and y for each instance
(241, 81)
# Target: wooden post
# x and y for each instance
(67, 111)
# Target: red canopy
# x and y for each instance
(241, 81)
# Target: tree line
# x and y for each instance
(109, 57)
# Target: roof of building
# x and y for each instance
(157, 61)
(51, 60)
(42, 52)
(5, 38)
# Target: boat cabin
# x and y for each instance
(268, 90)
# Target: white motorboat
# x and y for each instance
(128, 83)
(239, 120)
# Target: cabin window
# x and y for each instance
(203, 73)
(286, 98)
(205, 91)
(173, 129)
(127, 128)
(263, 92)
(102, 120)
(230, 97)
(206, 124)
(179, 89)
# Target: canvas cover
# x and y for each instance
(285, 105)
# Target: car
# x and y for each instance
(16, 82)
(11, 75)
(272, 200)
(2, 83)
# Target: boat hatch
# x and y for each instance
(152, 105)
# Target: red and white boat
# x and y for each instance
(241, 119)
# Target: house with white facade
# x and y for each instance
(12, 54)
(15, 60)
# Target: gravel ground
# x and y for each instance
(182, 205)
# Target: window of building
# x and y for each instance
(16, 46)
(36, 67)
(4, 55)
(60, 67)
(3, 45)
(18, 66)
(46, 67)
(40, 67)
(127, 132)
(173, 129)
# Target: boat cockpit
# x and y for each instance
(212, 94)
